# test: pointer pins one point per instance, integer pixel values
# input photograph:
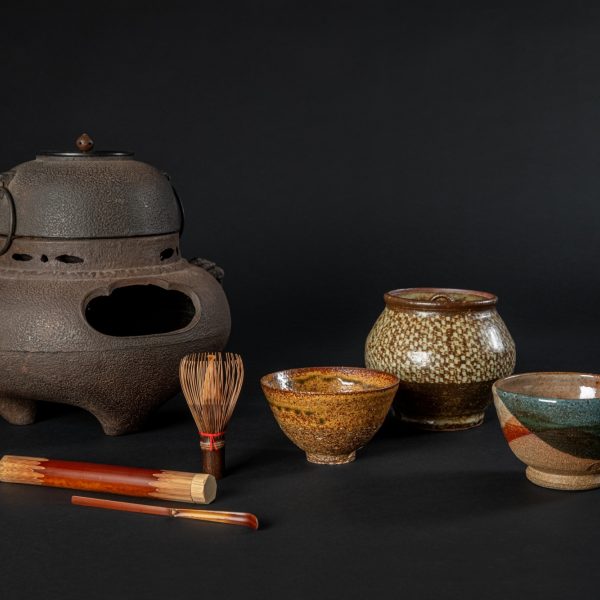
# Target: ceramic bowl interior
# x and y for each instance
(553, 386)
(329, 380)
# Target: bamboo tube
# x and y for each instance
(196, 488)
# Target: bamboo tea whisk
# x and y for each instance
(211, 383)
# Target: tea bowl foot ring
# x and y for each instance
(444, 423)
(561, 481)
(329, 459)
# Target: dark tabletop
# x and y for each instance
(417, 515)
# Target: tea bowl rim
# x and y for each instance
(497, 385)
(265, 380)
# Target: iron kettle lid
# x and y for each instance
(87, 194)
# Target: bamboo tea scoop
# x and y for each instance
(214, 516)
(197, 488)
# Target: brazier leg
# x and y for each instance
(17, 411)
(119, 422)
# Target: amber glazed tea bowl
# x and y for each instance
(552, 423)
(330, 412)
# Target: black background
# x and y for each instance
(327, 152)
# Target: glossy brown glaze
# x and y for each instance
(439, 299)
(447, 347)
(127, 481)
(330, 412)
(443, 406)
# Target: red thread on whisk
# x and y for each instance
(211, 437)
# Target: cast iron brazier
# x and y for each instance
(97, 306)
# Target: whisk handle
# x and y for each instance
(212, 447)
(213, 462)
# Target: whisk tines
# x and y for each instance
(211, 383)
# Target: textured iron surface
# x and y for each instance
(97, 307)
(49, 352)
(90, 196)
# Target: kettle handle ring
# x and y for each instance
(179, 204)
(12, 219)
(181, 211)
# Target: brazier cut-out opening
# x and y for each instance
(69, 258)
(166, 253)
(44, 258)
(23, 257)
(140, 310)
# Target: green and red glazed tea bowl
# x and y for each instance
(330, 412)
(552, 423)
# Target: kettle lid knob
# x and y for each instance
(84, 143)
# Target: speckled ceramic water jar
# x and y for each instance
(447, 347)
